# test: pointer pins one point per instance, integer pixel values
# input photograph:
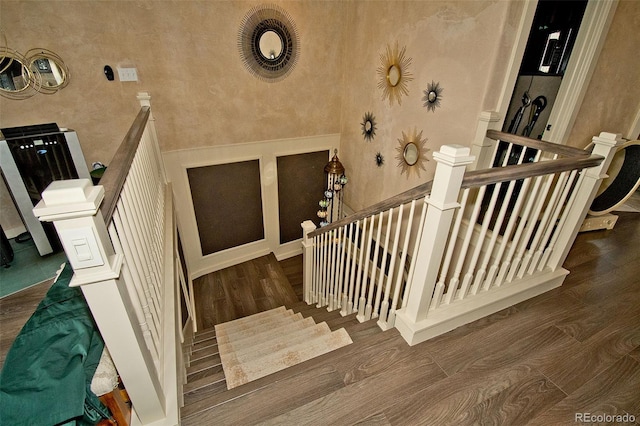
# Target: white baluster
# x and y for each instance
(365, 272)
(400, 274)
(347, 267)
(374, 268)
(462, 292)
(546, 224)
(524, 219)
(350, 305)
(383, 266)
(563, 206)
(384, 308)
(308, 261)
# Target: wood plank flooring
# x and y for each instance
(251, 287)
(575, 349)
(15, 310)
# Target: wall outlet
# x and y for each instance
(127, 74)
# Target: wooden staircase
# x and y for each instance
(206, 394)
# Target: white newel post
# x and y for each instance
(442, 203)
(482, 147)
(307, 261)
(605, 145)
(74, 208)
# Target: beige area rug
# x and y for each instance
(261, 344)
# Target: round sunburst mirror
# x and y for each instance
(268, 42)
(412, 153)
(368, 127)
(432, 96)
(394, 74)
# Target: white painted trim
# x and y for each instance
(515, 59)
(634, 130)
(471, 309)
(584, 57)
(176, 164)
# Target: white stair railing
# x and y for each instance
(484, 239)
(120, 239)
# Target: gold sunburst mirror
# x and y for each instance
(412, 152)
(394, 74)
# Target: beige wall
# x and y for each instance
(613, 97)
(453, 43)
(187, 58)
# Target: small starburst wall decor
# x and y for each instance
(368, 126)
(412, 152)
(432, 96)
(394, 74)
(379, 159)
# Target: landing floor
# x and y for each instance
(572, 351)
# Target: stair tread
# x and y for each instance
(279, 311)
(286, 357)
(210, 371)
(193, 398)
(205, 334)
(203, 364)
(249, 329)
(204, 353)
(341, 359)
(255, 339)
(276, 343)
(194, 385)
(204, 343)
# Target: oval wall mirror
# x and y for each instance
(393, 75)
(51, 70)
(410, 153)
(270, 45)
(268, 42)
(16, 80)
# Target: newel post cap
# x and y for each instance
(454, 155)
(66, 199)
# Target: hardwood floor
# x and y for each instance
(240, 290)
(15, 310)
(575, 349)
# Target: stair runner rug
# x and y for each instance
(261, 344)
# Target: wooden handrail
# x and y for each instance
(477, 178)
(471, 179)
(563, 150)
(115, 175)
(395, 201)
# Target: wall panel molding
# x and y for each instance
(266, 152)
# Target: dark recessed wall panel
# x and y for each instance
(227, 201)
(300, 188)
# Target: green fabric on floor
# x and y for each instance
(48, 370)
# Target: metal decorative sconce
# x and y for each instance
(432, 96)
(331, 204)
